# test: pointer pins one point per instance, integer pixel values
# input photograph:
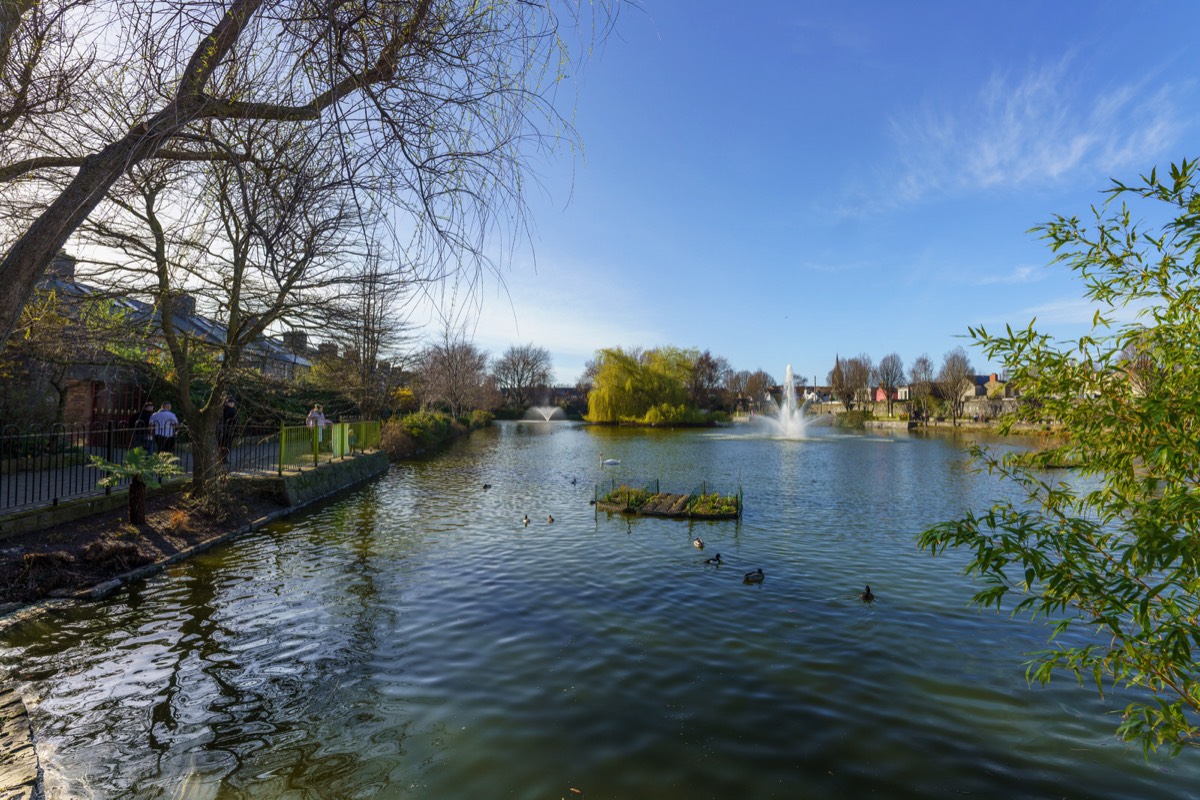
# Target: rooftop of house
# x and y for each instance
(60, 277)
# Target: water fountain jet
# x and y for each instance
(788, 421)
(545, 413)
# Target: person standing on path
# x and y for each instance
(164, 422)
(143, 434)
(316, 419)
(226, 430)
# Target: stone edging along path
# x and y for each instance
(20, 772)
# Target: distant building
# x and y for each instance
(97, 393)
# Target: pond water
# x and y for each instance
(415, 640)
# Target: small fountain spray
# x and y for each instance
(545, 413)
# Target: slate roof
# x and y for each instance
(195, 325)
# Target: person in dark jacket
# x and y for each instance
(143, 434)
(227, 428)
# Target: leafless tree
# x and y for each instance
(453, 373)
(708, 375)
(954, 379)
(366, 321)
(735, 386)
(840, 385)
(40, 63)
(522, 370)
(858, 374)
(587, 379)
(432, 104)
(758, 387)
(920, 384)
(251, 243)
(891, 375)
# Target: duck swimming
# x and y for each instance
(755, 577)
(698, 543)
(715, 560)
(526, 520)
(866, 596)
(550, 519)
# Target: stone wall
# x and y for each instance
(19, 770)
(296, 489)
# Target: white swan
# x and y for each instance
(609, 462)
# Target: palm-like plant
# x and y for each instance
(144, 471)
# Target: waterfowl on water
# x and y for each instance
(698, 543)
(550, 519)
(715, 560)
(526, 520)
(866, 596)
(487, 486)
(756, 576)
(609, 462)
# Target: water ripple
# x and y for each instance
(416, 640)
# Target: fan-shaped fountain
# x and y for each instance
(545, 413)
(788, 421)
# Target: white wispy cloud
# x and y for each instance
(1021, 274)
(1035, 128)
(1068, 311)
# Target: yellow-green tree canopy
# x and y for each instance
(629, 383)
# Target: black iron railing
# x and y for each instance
(41, 467)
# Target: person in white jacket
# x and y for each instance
(316, 419)
(164, 422)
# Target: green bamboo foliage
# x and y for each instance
(1116, 565)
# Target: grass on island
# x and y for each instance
(631, 500)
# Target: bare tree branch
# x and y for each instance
(433, 103)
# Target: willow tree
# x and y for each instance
(615, 393)
(435, 105)
(1114, 560)
(627, 384)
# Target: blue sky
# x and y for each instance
(779, 182)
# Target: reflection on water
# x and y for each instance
(415, 640)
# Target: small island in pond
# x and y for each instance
(644, 502)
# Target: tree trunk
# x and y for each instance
(205, 455)
(25, 262)
(137, 501)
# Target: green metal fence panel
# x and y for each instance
(301, 447)
(297, 447)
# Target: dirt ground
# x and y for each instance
(71, 556)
